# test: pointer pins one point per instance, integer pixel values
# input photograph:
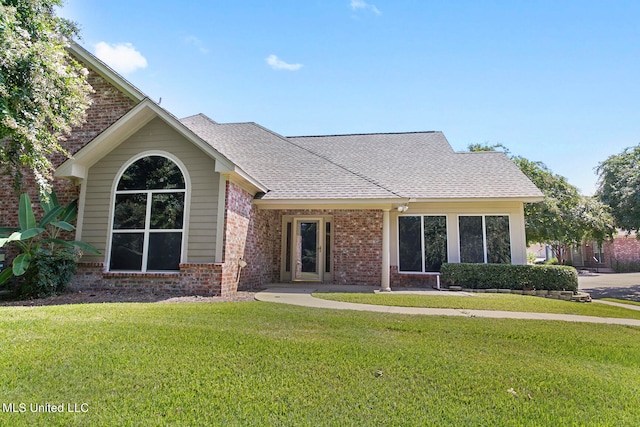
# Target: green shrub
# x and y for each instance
(506, 276)
(48, 274)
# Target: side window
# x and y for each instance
(148, 217)
(485, 239)
(422, 243)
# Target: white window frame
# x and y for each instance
(484, 234)
(146, 231)
(445, 216)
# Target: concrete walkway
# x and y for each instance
(301, 295)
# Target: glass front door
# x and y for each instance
(308, 250)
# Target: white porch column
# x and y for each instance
(385, 250)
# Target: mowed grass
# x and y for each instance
(501, 302)
(259, 364)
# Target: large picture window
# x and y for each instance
(148, 217)
(485, 239)
(422, 243)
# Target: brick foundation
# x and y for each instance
(192, 279)
(403, 280)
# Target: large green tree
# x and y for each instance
(619, 187)
(564, 218)
(43, 90)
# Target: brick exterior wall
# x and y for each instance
(357, 246)
(623, 250)
(250, 235)
(357, 249)
(193, 279)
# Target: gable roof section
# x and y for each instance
(145, 110)
(423, 166)
(130, 123)
(290, 172)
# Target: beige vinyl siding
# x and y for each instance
(156, 136)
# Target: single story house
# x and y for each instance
(620, 255)
(193, 206)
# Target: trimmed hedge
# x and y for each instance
(507, 276)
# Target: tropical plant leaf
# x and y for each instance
(50, 216)
(25, 213)
(73, 244)
(86, 247)
(70, 212)
(5, 275)
(64, 225)
(24, 235)
(21, 263)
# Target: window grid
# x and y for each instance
(147, 231)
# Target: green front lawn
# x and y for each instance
(501, 302)
(270, 364)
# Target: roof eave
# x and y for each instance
(523, 199)
(365, 203)
(106, 72)
(381, 203)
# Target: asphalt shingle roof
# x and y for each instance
(420, 165)
(289, 171)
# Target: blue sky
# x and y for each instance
(554, 81)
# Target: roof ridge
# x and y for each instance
(204, 116)
(364, 134)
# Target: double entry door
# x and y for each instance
(307, 244)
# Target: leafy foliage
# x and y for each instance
(48, 274)
(505, 276)
(43, 90)
(40, 243)
(619, 187)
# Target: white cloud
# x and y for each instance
(278, 64)
(197, 43)
(361, 4)
(123, 57)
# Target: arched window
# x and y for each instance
(148, 217)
